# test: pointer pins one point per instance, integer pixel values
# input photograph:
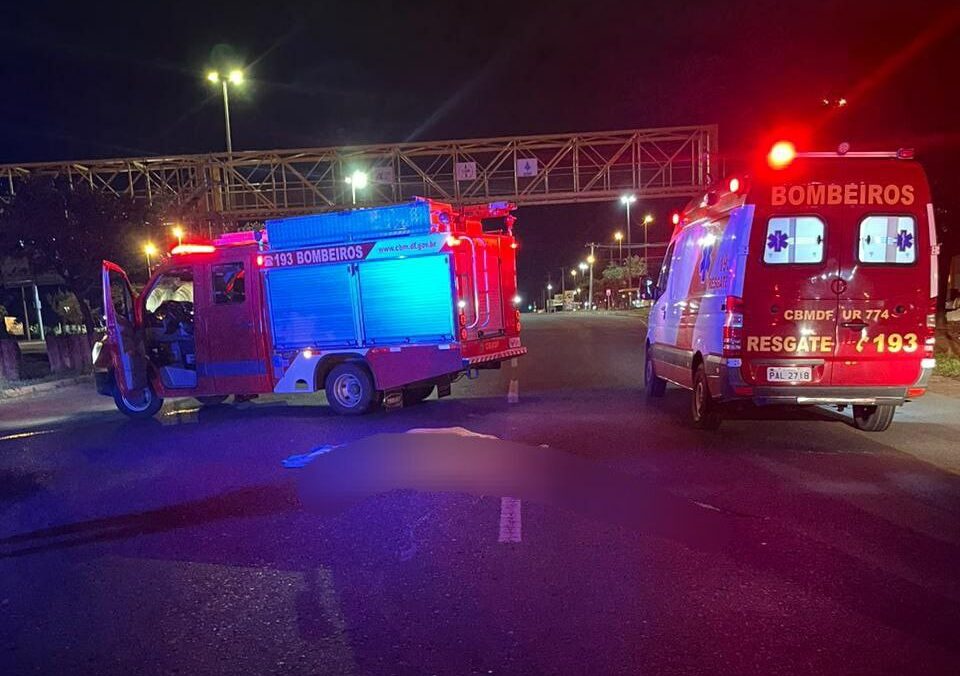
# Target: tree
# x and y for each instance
(635, 269)
(68, 230)
(67, 307)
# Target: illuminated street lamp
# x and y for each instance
(619, 237)
(591, 259)
(178, 232)
(236, 78)
(356, 181)
(647, 220)
(150, 250)
(627, 200)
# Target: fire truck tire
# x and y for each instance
(139, 410)
(654, 384)
(350, 389)
(213, 399)
(873, 418)
(414, 395)
(703, 409)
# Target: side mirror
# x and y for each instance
(650, 290)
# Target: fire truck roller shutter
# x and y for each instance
(312, 306)
(407, 300)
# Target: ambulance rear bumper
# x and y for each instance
(734, 388)
(867, 396)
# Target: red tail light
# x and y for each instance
(930, 334)
(733, 326)
(517, 319)
(463, 318)
(463, 333)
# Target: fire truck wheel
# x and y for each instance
(873, 418)
(350, 389)
(703, 408)
(654, 384)
(414, 395)
(213, 399)
(146, 407)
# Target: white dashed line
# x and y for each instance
(511, 525)
(513, 394)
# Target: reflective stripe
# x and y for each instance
(227, 369)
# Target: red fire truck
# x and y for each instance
(373, 306)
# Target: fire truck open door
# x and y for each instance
(124, 332)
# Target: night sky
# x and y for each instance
(103, 79)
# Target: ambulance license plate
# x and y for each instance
(789, 374)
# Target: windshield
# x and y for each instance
(175, 285)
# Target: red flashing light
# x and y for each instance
(259, 261)
(453, 241)
(181, 249)
(905, 154)
(734, 184)
(514, 245)
(781, 154)
(675, 219)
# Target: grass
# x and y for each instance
(947, 365)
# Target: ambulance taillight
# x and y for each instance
(733, 326)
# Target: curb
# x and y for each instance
(40, 388)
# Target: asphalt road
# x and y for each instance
(603, 535)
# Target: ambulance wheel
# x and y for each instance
(414, 395)
(146, 407)
(654, 384)
(350, 389)
(703, 408)
(213, 399)
(873, 418)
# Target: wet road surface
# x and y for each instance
(603, 535)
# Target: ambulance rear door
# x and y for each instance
(789, 301)
(884, 282)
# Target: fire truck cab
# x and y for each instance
(811, 280)
(379, 305)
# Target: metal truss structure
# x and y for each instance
(544, 169)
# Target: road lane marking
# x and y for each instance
(511, 525)
(513, 395)
(25, 435)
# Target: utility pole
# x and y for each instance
(591, 260)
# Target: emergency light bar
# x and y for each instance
(192, 249)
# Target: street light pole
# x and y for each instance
(149, 250)
(591, 259)
(226, 117)
(627, 200)
(647, 220)
(357, 181)
(234, 77)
